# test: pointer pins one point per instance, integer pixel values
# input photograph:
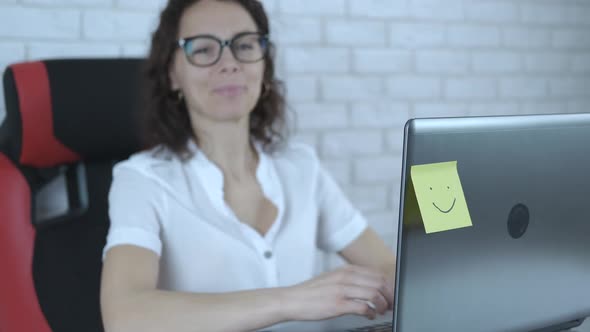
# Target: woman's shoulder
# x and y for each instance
(146, 161)
(159, 172)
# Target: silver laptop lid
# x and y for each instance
(494, 276)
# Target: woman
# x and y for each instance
(215, 227)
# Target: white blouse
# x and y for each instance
(177, 210)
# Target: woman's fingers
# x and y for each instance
(366, 294)
(360, 307)
(348, 290)
(368, 278)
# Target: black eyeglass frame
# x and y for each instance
(264, 40)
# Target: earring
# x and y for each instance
(265, 89)
(179, 95)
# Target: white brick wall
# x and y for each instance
(345, 32)
(356, 70)
(379, 61)
(442, 62)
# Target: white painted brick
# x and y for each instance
(301, 88)
(571, 38)
(71, 3)
(270, 6)
(296, 30)
(579, 106)
(501, 12)
(315, 108)
(438, 109)
(118, 25)
(382, 61)
(45, 50)
(412, 87)
(470, 88)
(496, 62)
(317, 60)
(576, 13)
(417, 35)
(394, 138)
(369, 198)
(340, 170)
(351, 143)
(494, 108)
(569, 87)
(385, 224)
(522, 87)
(356, 33)
(442, 62)
(10, 53)
(375, 170)
(540, 62)
(546, 107)
(526, 38)
(395, 196)
(379, 115)
(308, 138)
(542, 13)
(581, 63)
(351, 88)
(135, 49)
(322, 116)
(2, 104)
(49, 23)
(313, 7)
(437, 9)
(391, 240)
(279, 59)
(473, 36)
(141, 4)
(379, 8)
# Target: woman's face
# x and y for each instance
(229, 89)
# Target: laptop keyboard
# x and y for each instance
(384, 327)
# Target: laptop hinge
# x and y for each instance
(562, 326)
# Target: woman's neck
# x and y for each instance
(227, 145)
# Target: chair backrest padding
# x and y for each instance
(60, 114)
(19, 307)
(62, 111)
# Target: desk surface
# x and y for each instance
(332, 325)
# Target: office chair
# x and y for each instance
(67, 122)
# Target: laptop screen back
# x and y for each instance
(499, 275)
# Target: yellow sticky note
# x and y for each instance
(440, 196)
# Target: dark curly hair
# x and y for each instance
(166, 122)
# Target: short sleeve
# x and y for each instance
(136, 205)
(340, 222)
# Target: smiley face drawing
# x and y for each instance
(448, 188)
(440, 196)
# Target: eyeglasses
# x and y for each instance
(206, 50)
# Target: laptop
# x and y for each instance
(524, 262)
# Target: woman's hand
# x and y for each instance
(347, 290)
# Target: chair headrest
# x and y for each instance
(63, 111)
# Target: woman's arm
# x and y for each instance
(370, 251)
(131, 302)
